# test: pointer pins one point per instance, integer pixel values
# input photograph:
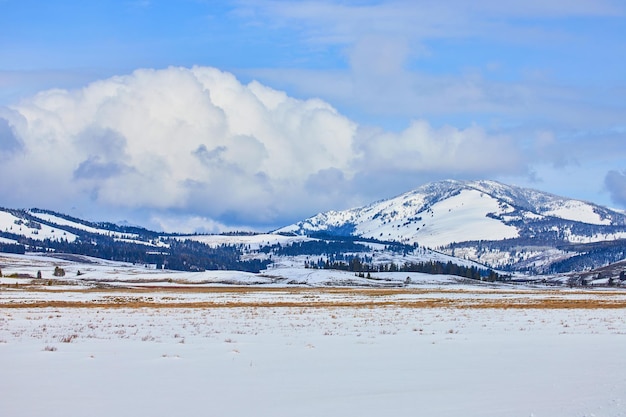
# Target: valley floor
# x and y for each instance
(248, 351)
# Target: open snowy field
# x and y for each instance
(312, 352)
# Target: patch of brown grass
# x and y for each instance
(475, 303)
(303, 297)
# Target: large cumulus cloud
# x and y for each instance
(198, 144)
(446, 150)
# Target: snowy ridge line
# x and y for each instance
(39, 225)
(458, 217)
(54, 218)
(433, 215)
(31, 228)
(482, 223)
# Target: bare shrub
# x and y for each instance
(68, 339)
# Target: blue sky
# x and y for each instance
(376, 98)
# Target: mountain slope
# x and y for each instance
(496, 225)
(38, 230)
(458, 216)
(69, 238)
(445, 212)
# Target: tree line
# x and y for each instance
(357, 265)
(179, 255)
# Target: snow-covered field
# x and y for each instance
(83, 271)
(274, 361)
(141, 345)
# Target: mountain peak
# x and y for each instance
(440, 213)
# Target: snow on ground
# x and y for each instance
(51, 218)
(577, 211)
(85, 271)
(321, 277)
(463, 215)
(458, 216)
(407, 219)
(312, 362)
(118, 236)
(5, 240)
(595, 238)
(12, 224)
(534, 258)
(440, 347)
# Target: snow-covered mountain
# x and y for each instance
(458, 216)
(70, 239)
(41, 225)
(487, 222)
(441, 213)
(35, 230)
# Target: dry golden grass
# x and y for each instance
(369, 291)
(314, 298)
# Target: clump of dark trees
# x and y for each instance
(12, 248)
(348, 254)
(315, 248)
(336, 246)
(365, 269)
(592, 256)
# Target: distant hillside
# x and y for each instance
(64, 236)
(38, 230)
(468, 227)
(496, 224)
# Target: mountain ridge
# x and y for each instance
(500, 226)
(511, 204)
(522, 225)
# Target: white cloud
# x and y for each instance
(188, 224)
(338, 22)
(447, 150)
(458, 99)
(194, 144)
(174, 138)
(424, 59)
(615, 182)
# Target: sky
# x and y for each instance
(208, 116)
